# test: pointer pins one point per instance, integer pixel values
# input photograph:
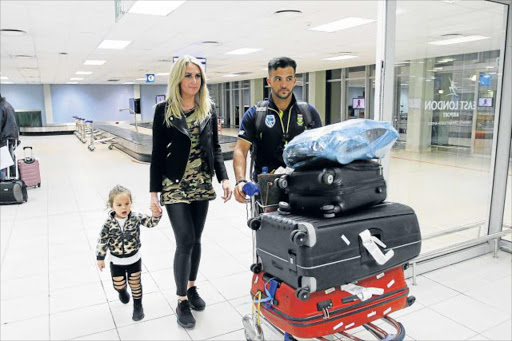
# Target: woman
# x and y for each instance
(186, 155)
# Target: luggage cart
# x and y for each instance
(252, 323)
(96, 137)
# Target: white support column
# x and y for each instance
(385, 66)
(256, 90)
(317, 92)
(48, 107)
(502, 133)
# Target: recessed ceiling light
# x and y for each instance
(343, 57)
(113, 80)
(12, 32)
(163, 74)
(76, 79)
(63, 53)
(83, 73)
(342, 24)
(230, 75)
(95, 62)
(245, 50)
(23, 56)
(458, 40)
(160, 8)
(71, 82)
(6, 82)
(210, 42)
(4, 78)
(114, 44)
(490, 67)
(128, 83)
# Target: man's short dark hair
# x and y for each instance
(281, 62)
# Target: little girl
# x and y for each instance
(121, 235)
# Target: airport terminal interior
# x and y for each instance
(86, 108)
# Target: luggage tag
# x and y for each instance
(362, 293)
(372, 243)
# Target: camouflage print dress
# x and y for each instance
(196, 184)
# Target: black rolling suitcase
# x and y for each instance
(12, 191)
(313, 254)
(336, 189)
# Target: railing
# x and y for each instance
(457, 247)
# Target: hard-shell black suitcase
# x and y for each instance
(13, 191)
(333, 190)
(312, 254)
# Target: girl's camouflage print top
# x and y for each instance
(196, 184)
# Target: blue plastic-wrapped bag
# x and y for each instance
(344, 142)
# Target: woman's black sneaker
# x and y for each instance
(184, 314)
(196, 302)
(124, 296)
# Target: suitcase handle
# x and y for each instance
(28, 159)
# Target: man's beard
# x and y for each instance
(285, 96)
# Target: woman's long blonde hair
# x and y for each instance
(203, 102)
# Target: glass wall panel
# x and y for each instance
(355, 99)
(444, 109)
(507, 217)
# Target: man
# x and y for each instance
(9, 133)
(270, 125)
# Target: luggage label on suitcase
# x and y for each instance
(315, 254)
(333, 310)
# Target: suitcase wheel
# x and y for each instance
(91, 148)
(282, 182)
(298, 237)
(254, 223)
(379, 189)
(410, 300)
(256, 268)
(327, 178)
(302, 294)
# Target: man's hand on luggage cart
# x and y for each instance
(244, 189)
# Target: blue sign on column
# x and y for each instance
(150, 77)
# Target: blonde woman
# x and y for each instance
(186, 155)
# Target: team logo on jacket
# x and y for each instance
(270, 120)
(300, 120)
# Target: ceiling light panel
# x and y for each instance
(76, 79)
(342, 24)
(114, 44)
(83, 73)
(160, 8)
(245, 50)
(458, 40)
(95, 62)
(344, 57)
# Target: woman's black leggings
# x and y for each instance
(187, 221)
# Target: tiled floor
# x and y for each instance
(51, 288)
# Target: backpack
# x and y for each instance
(262, 109)
(261, 112)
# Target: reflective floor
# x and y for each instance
(51, 288)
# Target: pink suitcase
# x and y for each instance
(28, 168)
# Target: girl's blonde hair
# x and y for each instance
(118, 189)
(203, 102)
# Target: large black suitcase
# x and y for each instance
(313, 254)
(333, 190)
(13, 191)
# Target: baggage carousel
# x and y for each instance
(138, 144)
